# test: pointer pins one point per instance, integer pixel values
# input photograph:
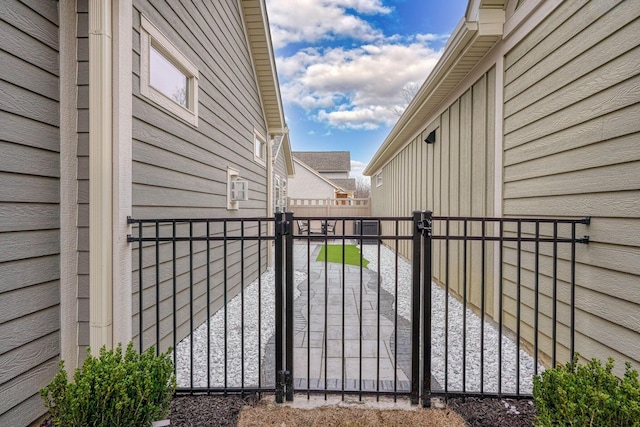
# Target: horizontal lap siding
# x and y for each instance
(572, 92)
(452, 177)
(29, 207)
(180, 171)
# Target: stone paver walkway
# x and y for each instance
(341, 337)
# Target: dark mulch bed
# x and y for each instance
(221, 411)
(488, 412)
(208, 411)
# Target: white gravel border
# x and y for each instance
(387, 272)
(234, 338)
(455, 356)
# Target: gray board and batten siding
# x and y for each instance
(571, 103)
(180, 170)
(29, 206)
(453, 177)
(571, 133)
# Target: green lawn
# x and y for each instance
(334, 254)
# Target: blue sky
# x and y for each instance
(343, 64)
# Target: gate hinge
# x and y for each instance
(285, 381)
(424, 226)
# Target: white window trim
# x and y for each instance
(150, 35)
(257, 136)
(379, 179)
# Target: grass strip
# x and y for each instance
(334, 254)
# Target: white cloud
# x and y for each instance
(357, 167)
(314, 20)
(356, 88)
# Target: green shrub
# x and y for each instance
(113, 390)
(587, 395)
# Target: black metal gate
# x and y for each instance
(461, 318)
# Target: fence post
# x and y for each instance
(415, 309)
(279, 272)
(288, 264)
(426, 295)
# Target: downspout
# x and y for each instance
(122, 169)
(100, 175)
(270, 210)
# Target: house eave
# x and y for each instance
(254, 13)
(468, 45)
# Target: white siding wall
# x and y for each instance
(571, 133)
(305, 184)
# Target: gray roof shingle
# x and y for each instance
(347, 184)
(326, 161)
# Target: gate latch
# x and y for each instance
(284, 228)
(425, 227)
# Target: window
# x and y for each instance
(379, 180)
(259, 148)
(167, 77)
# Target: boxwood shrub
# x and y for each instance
(113, 390)
(587, 395)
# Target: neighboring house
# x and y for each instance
(283, 170)
(108, 110)
(333, 167)
(533, 110)
(310, 184)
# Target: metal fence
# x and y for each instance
(289, 304)
(498, 338)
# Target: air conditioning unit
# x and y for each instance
(239, 190)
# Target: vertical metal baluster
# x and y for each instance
(446, 312)
(378, 324)
(482, 305)
(395, 315)
(537, 298)
(208, 306)
(519, 306)
(175, 292)
(573, 289)
(555, 293)
(157, 288)
(191, 301)
(309, 311)
(464, 306)
(343, 371)
(140, 288)
(361, 313)
(500, 298)
(224, 292)
(326, 323)
(242, 303)
(260, 241)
